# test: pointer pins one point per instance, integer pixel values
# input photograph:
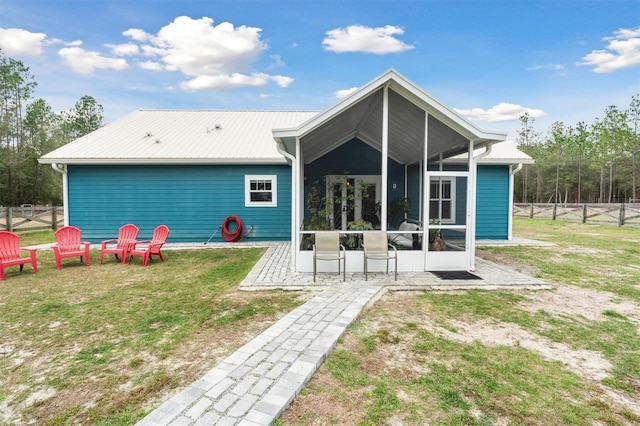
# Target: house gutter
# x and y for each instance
(294, 198)
(512, 173)
(62, 169)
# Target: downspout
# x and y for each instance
(294, 200)
(62, 169)
(512, 173)
(473, 200)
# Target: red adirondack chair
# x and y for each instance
(70, 244)
(126, 237)
(10, 253)
(153, 246)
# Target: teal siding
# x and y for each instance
(413, 191)
(192, 201)
(492, 202)
(461, 200)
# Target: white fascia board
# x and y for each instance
(506, 161)
(168, 161)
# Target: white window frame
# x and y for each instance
(274, 191)
(452, 183)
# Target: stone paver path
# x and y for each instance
(254, 385)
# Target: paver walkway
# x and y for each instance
(254, 385)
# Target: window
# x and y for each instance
(260, 190)
(442, 194)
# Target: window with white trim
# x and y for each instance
(260, 190)
(442, 200)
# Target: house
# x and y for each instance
(387, 142)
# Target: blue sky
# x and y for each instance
(490, 60)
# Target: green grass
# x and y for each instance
(392, 368)
(101, 344)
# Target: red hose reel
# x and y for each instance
(231, 233)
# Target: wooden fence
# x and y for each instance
(613, 214)
(30, 218)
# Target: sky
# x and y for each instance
(490, 60)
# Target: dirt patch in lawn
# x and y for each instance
(392, 313)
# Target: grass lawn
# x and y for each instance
(104, 344)
(565, 356)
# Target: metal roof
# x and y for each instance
(501, 153)
(182, 136)
(360, 116)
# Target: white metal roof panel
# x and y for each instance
(182, 136)
(501, 153)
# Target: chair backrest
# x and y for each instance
(160, 235)
(127, 234)
(68, 238)
(327, 241)
(375, 241)
(9, 245)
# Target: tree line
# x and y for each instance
(584, 163)
(29, 128)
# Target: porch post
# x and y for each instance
(297, 187)
(471, 209)
(424, 193)
(385, 156)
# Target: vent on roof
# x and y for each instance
(216, 126)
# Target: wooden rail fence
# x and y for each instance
(613, 214)
(30, 218)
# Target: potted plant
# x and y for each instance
(396, 210)
(436, 240)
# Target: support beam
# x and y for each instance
(385, 157)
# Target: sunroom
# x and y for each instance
(377, 161)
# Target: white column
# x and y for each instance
(385, 156)
(471, 209)
(424, 194)
(296, 187)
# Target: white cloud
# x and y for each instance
(19, 42)
(345, 92)
(151, 66)
(358, 38)
(276, 62)
(501, 112)
(215, 56)
(125, 49)
(622, 51)
(136, 34)
(282, 80)
(232, 81)
(86, 62)
(560, 69)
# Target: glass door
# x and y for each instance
(448, 213)
(354, 199)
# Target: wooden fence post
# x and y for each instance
(531, 212)
(584, 213)
(10, 219)
(621, 217)
(54, 218)
(555, 209)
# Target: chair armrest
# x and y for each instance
(30, 250)
(132, 244)
(105, 242)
